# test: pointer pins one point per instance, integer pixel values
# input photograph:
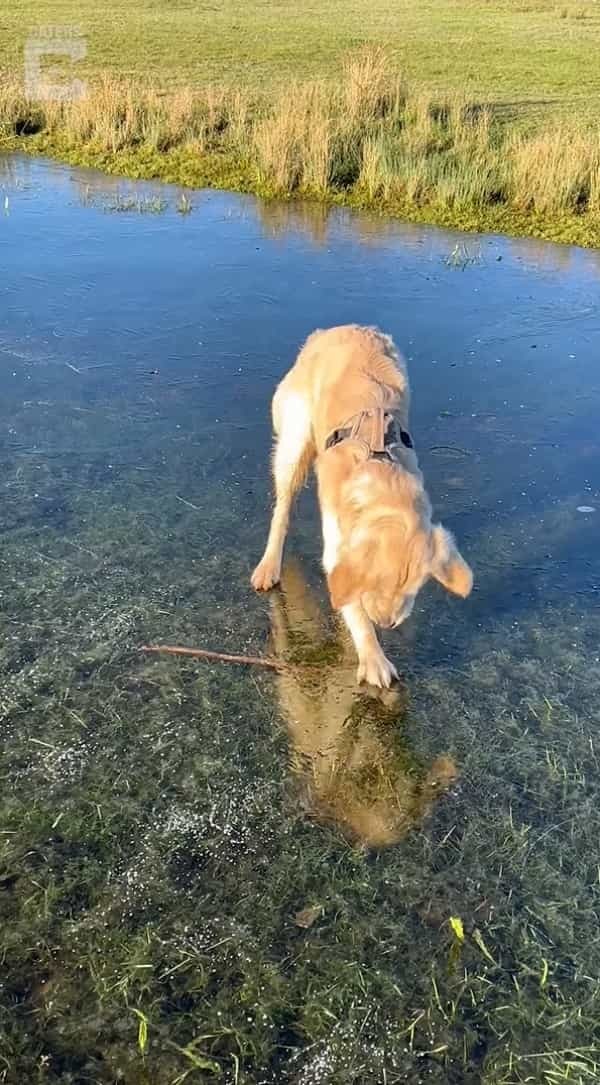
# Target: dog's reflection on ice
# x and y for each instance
(347, 751)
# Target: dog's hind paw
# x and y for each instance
(376, 670)
(266, 575)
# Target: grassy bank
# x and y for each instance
(366, 139)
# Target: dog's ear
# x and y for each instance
(343, 583)
(447, 565)
(352, 576)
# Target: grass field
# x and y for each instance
(525, 70)
(539, 52)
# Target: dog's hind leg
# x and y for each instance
(293, 455)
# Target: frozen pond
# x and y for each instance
(214, 873)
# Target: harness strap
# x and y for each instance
(383, 433)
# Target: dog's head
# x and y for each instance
(389, 548)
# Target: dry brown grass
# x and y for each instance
(368, 89)
(556, 171)
(366, 133)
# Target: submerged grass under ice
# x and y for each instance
(189, 889)
(154, 852)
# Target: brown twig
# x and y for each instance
(222, 657)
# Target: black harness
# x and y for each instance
(385, 433)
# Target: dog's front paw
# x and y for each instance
(266, 575)
(377, 671)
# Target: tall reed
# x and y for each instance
(367, 134)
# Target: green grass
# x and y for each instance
(509, 51)
(497, 130)
(367, 140)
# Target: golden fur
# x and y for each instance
(379, 543)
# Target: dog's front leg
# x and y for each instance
(293, 455)
(373, 667)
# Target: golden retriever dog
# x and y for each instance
(344, 407)
(349, 759)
